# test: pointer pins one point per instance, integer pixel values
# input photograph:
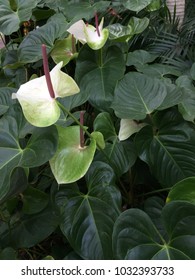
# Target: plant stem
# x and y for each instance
(73, 44)
(83, 128)
(46, 71)
(82, 139)
(96, 24)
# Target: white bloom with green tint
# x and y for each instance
(39, 108)
(87, 33)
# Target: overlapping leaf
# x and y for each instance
(38, 149)
(170, 152)
(98, 72)
(136, 237)
(88, 219)
(137, 95)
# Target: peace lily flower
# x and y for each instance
(39, 107)
(95, 37)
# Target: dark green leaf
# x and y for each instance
(170, 153)
(137, 95)
(183, 190)
(88, 219)
(27, 230)
(12, 16)
(98, 72)
(135, 237)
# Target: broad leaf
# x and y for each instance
(5, 99)
(12, 15)
(136, 5)
(88, 219)
(34, 200)
(40, 147)
(140, 57)
(187, 106)
(119, 155)
(170, 152)
(105, 125)
(63, 50)
(98, 72)
(136, 237)
(25, 231)
(183, 190)
(137, 95)
(30, 48)
(8, 254)
(71, 161)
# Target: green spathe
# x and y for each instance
(87, 33)
(71, 161)
(38, 107)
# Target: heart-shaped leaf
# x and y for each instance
(136, 5)
(30, 48)
(88, 218)
(71, 161)
(183, 190)
(25, 231)
(36, 151)
(137, 95)
(135, 236)
(100, 70)
(168, 149)
(12, 13)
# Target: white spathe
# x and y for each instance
(38, 107)
(87, 33)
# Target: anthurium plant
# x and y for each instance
(97, 132)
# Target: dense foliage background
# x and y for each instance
(137, 199)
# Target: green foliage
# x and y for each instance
(83, 187)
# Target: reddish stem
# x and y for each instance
(82, 139)
(46, 71)
(73, 44)
(96, 24)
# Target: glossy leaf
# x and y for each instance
(71, 162)
(187, 106)
(98, 72)
(105, 125)
(183, 190)
(136, 5)
(138, 25)
(170, 153)
(38, 150)
(135, 236)
(88, 219)
(26, 231)
(63, 51)
(34, 200)
(140, 57)
(120, 155)
(30, 48)
(12, 15)
(5, 99)
(137, 95)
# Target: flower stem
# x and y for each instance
(96, 24)
(73, 44)
(46, 71)
(82, 139)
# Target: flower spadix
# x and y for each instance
(39, 108)
(95, 37)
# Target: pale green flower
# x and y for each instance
(87, 33)
(38, 107)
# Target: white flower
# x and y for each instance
(39, 108)
(87, 33)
